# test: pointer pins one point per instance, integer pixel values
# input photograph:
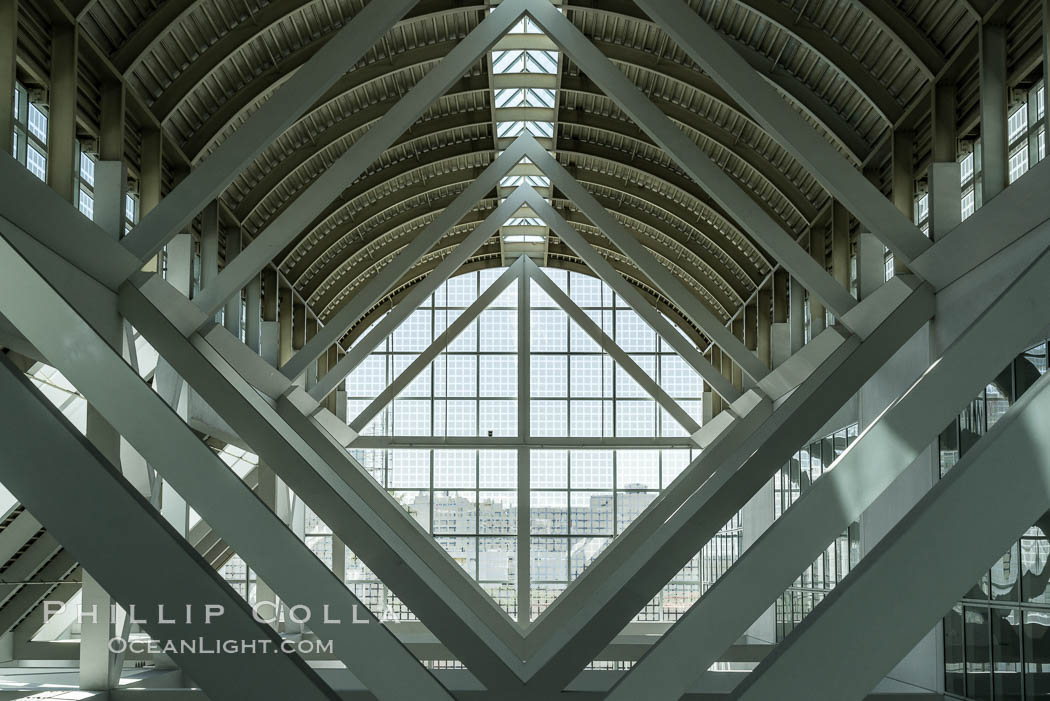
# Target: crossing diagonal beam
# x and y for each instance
(335, 486)
(990, 497)
(384, 280)
(361, 154)
(692, 159)
(57, 327)
(316, 466)
(787, 126)
(604, 270)
(640, 256)
(879, 455)
(41, 450)
(725, 476)
(458, 326)
(211, 176)
(415, 296)
(592, 329)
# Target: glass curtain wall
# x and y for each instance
(583, 494)
(997, 638)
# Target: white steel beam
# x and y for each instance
(361, 154)
(692, 159)
(211, 176)
(885, 449)
(984, 504)
(412, 299)
(316, 467)
(100, 373)
(787, 126)
(365, 298)
(717, 485)
(592, 329)
(424, 359)
(42, 450)
(312, 461)
(640, 256)
(634, 299)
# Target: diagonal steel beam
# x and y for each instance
(43, 449)
(211, 176)
(660, 276)
(318, 468)
(267, 412)
(839, 497)
(634, 299)
(100, 373)
(831, 169)
(415, 296)
(647, 383)
(424, 359)
(724, 478)
(365, 298)
(990, 497)
(692, 159)
(361, 154)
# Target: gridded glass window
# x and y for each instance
(817, 580)
(30, 133)
(579, 499)
(525, 61)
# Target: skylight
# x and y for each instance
(525, 68)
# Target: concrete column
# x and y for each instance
(62, 112)
(922, 667)
(99, 668)
(945, 190)
(267, 493)
(945, 196)
(298, 324)
(232, 310)
(994, 157)
(150, 173)
(8, 44)
(707, 403)
(817, 313)
(903, 179)
(722, 365)
(284, 319)
(209, 243)
(317, 368)
(840, 244)
(763, 305)
(737, 373)
(111, 138)
(796, 316)
(780, 333)
(269, 326)
(339, 396)
(253, 313)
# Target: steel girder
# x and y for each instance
(1002, 329)
(73, 343)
